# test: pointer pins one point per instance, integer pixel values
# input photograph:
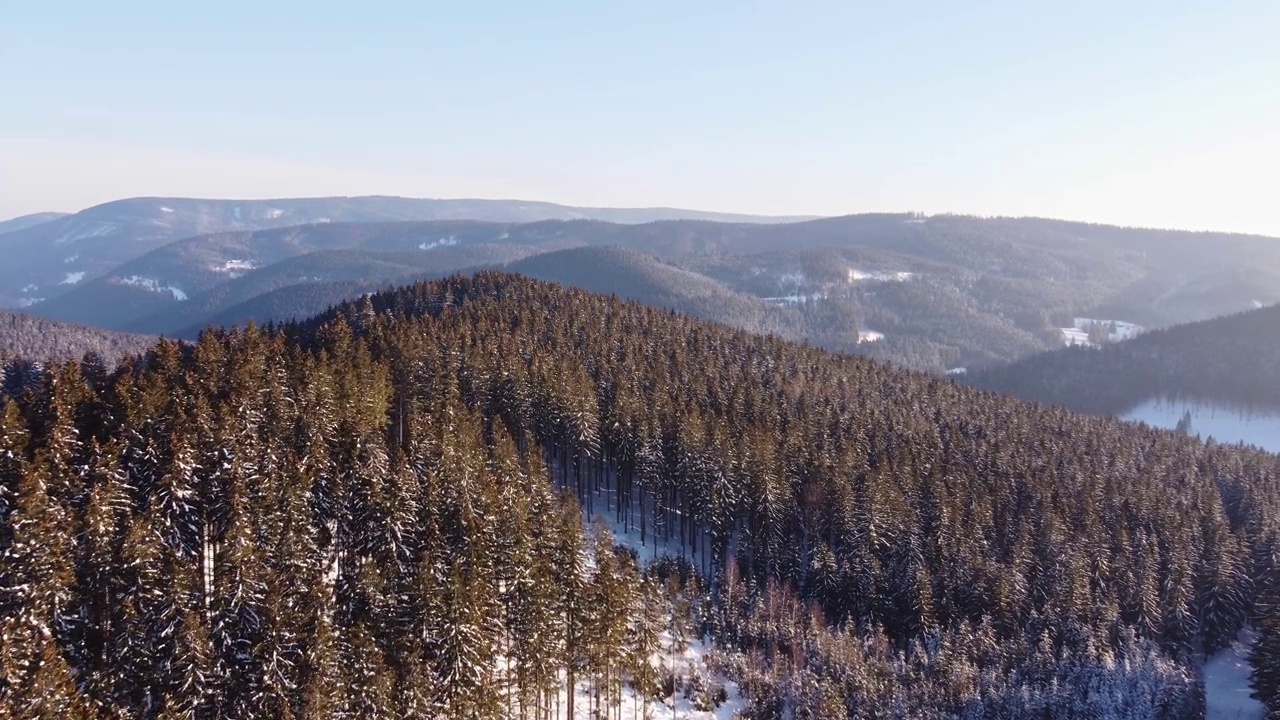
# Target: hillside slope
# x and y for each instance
(386, 502)
(25, 221)
(322, 267)
(48, 259)
(930, 293)
(40, 339)
(1232, 360)
(645, 278)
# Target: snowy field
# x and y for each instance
(1082, 329)
(1222, 423)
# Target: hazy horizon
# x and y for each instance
(1147, 115)
(795, 217)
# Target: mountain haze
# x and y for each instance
(26, 221)
(49, 258)
(931, 293)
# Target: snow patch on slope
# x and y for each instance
(1074, 336)
(153, 285)
(235, 267)
(853, 275)
(1116, 330)
(795, 299)
(72, 278)
(869, 336)
(442, 242)
(1082, 329)
(89, 230)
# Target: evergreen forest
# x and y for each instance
(459, 498)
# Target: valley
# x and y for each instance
(436, 470)
(639, 361)
(924, 292)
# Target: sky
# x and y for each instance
(1138, 112)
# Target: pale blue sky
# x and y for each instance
(1143, 112)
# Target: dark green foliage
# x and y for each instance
(357, 516)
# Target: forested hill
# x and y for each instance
(1232, 360)
(355, 517)
(39, 339)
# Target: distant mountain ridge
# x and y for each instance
(25, 221)
(927, 292)
(48, 258)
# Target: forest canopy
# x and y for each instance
(378, 513)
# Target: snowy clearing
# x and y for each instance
(1116, 330)
(30, 288)
(165, 209)
(235, 265)
(1084, 330)
(877, 276)
(1073, 336)
(72, 278)
(869, 336)
(1209, 420)
(794, 299)
(1226, 683)
(442, 242)
(691, 662)
(153, 285)
(687, 664)
(71, 258)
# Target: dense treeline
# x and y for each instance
(354, 517)
(40, 339)
(1233, 359)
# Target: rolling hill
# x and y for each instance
(931, 293)
(1232, 360)
(48, 259)
(645, 278)
(323, 267)
(463, 498)
(26, 221)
